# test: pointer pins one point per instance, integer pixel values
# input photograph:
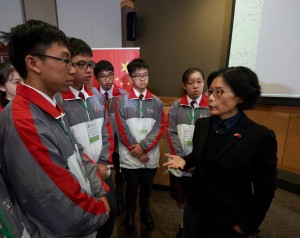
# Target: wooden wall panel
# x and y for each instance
(277, 121)
(161, 177)
(291, 159)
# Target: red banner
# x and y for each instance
(119, 58)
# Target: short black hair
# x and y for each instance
(32, 37)
(242, 81)
(79, 47)
(135, 64)
(188, 72)
(103, 65)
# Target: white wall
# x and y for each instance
(98, 22)
(10, 14)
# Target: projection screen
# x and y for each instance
(266, 37)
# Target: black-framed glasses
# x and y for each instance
(67, 61)
(140, 76)
(215, 92)
(104, 77)
(82, 64)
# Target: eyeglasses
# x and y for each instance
(84, 64)
(67, 61)
(140, 76)
(104, 77)
(215, 92)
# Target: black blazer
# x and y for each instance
(242, 180)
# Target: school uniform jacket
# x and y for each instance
(221, 192)
(79, 115)
(57, 191)
(139, 122)
(117, 91)
(11, 219)
(4, 101)
(182, 115)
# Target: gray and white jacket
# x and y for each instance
(139, 122)
(54, 182)
(181, 119)
(81, 115)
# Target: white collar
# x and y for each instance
(110, 91)
(137, 93)
(197, 100)
(51, 100)
(76, 92)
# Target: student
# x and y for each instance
(9, 78)
(104, 73)
(11, 218)
(89, 122)
(56, 185)
(140, 120)
(180, 129)
(235, 161)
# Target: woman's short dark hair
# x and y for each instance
(188, 72)
(242, 81)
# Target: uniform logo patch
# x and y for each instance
(8, 205)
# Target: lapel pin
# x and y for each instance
(238, 135)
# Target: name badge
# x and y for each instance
(143, 127)
(93, 131)
(188, 134)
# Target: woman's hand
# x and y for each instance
(176, 162)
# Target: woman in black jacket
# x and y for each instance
(235, 161)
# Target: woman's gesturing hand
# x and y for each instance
(176, 162)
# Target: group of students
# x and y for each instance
(59, 138)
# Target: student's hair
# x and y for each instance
(79, 47)
(103, 65)
(32, 37)
(188, 72)
(6, 70)
(136, 64)
(242, 81)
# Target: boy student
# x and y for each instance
(55, 184)
(104, 73)
(140, 120)
(87, 116)
(180, 130)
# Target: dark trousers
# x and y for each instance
(135, 178)
(194, 226)
(119, 177)
(107, 229)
